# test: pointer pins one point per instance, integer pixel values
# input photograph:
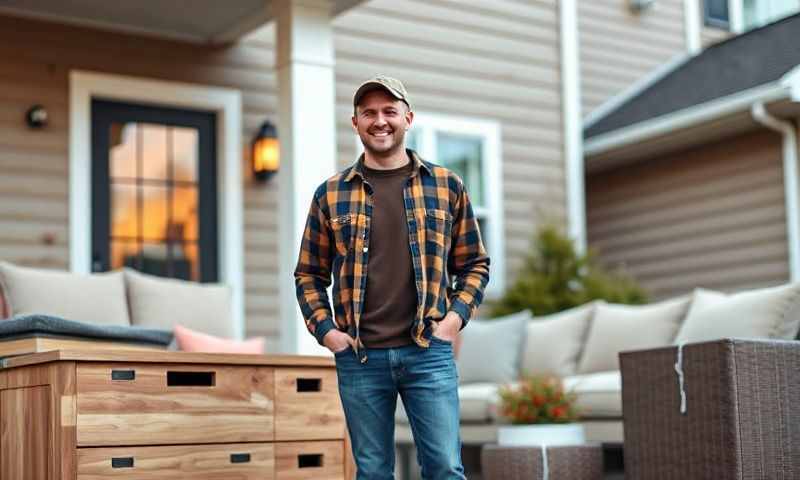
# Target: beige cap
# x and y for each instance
(392, 85)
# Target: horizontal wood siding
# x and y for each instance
(34, 165)
(618, 47)
(712, 217)
(711, 35)
(495, 60)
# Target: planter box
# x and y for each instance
(545, 434)
(741, 417)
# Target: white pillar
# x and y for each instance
(692, 21)
(573, 129)
(307, 134)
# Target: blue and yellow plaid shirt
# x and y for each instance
(451, 267)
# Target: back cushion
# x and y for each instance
(94, 298)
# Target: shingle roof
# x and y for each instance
(758, 57)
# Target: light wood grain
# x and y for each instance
(22, 346)
(113, 355)
(196, 462)
(349, 460)
(311, 414)
(239, 407)
(25, 415)
(287, 461)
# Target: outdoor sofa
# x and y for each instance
(582, 346)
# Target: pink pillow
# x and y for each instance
(193, 341)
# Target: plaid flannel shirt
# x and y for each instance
(451, 267)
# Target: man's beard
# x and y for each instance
(386, 151)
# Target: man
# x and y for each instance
(399, 236)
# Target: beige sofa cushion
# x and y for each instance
(764, 313)
(163, 303)
(598, 395)
(95, 298)
(477, 402)
(617, 328)
(490, 349)
(553, 343)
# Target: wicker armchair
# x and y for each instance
(740, 417)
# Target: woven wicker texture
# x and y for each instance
(742, 417)
(584, 462)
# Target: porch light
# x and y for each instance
(266, 152)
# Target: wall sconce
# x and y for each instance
(36, 117)
(266, 152)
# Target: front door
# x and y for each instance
(154, 190)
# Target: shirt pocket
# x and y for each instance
(438, 227)
(343, 228)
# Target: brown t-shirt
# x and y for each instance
(391, 298)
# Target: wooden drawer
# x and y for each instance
(249, 461)
(307, 405)
(157, 404)
(309, 460)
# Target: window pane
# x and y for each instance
(124, 218)
(463, 155)
(716, 12)
(154, 151)
(184, 147)
(122, 142)
(184, 213)
(154, 212)
(124, 253)
(191, 256)
(413, 139)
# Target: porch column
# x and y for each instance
(307, 133)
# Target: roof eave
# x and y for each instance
(606, 143)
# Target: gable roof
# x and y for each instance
(755, 58)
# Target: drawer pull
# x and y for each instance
(309, 460)
(123, 374)
(190, 379)
(240, 458)
(122, 462)
(309, 384)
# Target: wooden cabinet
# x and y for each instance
(170, 415)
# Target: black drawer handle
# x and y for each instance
(190, 379)
(122, 462)
(240, 458)
(123, 375)
(309, 460)
(309, 384)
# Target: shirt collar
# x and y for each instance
(357, 170)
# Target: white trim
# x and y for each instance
(791, 79)
(691, 26)
(736, 16)
(225, 102)
(685, 118)
(787, 130)
(573, 131)
(428, 124)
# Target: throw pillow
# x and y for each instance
(764, 313)
(553, 343)
(617, 328)
(165, 302)
(189, 340)
(490, 349)
(95, 298)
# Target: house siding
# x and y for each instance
(711, 35)
(34, 165)
(711, 217)
(483, 59)
(618, 47)
(495, 60)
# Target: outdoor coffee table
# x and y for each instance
(579, 462)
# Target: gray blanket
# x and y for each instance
(23, 326)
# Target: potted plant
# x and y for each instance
(541, 412)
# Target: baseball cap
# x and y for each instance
(392, 85)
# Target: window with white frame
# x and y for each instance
(743, 15)
(471, 149)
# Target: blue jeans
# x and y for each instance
(427, 382)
